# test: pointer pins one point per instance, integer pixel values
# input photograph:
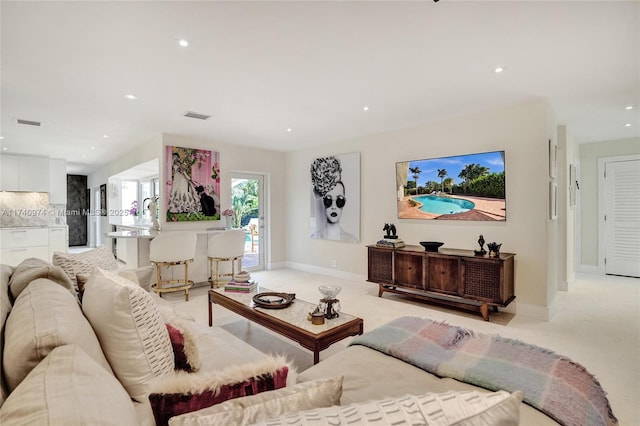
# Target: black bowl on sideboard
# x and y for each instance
(431, 245)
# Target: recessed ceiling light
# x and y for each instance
(1, 137)
(83, 156)
(182, 42)
(498, 70)
(627, 125)
(289, 129)
(105, 136)
(93, 147)
(4, 148)
(131, 97)
(630, 107)
(365, 108)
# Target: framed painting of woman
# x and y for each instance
(192, 184)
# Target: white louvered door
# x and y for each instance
(622, 218)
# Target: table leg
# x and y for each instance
(316, 356)
(210, 312)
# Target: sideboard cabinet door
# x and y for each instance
(408, 267)
(380, 268)
(443, 275)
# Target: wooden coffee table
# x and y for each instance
(290, 322)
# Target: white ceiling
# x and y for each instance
(261, 67)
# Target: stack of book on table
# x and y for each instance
(241, 286)
(390, 242)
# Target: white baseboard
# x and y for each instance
(276, 265)
(534, 311)
(563, 285)
(329, 272)
(591, 269)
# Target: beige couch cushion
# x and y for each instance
(467, 408)
(33, 268)
(251, 409)
(5, 308)
(45, 316)
(365, 369)
(68, 388)
(131, 331)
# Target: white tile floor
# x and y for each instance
(597, 325)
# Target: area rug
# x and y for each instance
(551, 383)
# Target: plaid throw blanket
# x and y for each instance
(551, 383)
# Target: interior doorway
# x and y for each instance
(620, 218)
(248, 203)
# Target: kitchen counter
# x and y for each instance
(142, 233)
(133, 248)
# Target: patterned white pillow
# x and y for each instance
(83, 263)
(130, 329)
(251, 409)
(463, 408)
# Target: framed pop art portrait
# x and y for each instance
(335, 198)
(192, 184)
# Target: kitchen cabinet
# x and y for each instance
(452, 277)
(24, 173)
(17, 244)
(58, 239)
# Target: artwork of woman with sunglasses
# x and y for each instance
(327, 186)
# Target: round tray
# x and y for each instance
(272, 300)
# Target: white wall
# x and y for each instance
(140, 154)
(233, 158)
(589, 221)
(522, 131)
(238, 158)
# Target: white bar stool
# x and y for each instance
(227, 246)
(172, 249)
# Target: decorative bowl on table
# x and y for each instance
(431, 245)
(329, 291)
(242, 277)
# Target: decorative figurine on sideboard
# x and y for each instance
(390, 238)
(494, 249)
(390, 230)
(482, 251)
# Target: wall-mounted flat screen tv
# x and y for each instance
(461, 187)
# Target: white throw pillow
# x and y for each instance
(68, 388)
(130, 329)
(250, 409)
(464, 408)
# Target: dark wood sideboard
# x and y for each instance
(452, 277)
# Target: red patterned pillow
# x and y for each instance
(186, 392)
(185, 350)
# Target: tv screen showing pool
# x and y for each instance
(461, 187)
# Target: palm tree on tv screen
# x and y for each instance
(441, 174)
(415, 172)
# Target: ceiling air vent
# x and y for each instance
(29, 122)
(191, 114)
